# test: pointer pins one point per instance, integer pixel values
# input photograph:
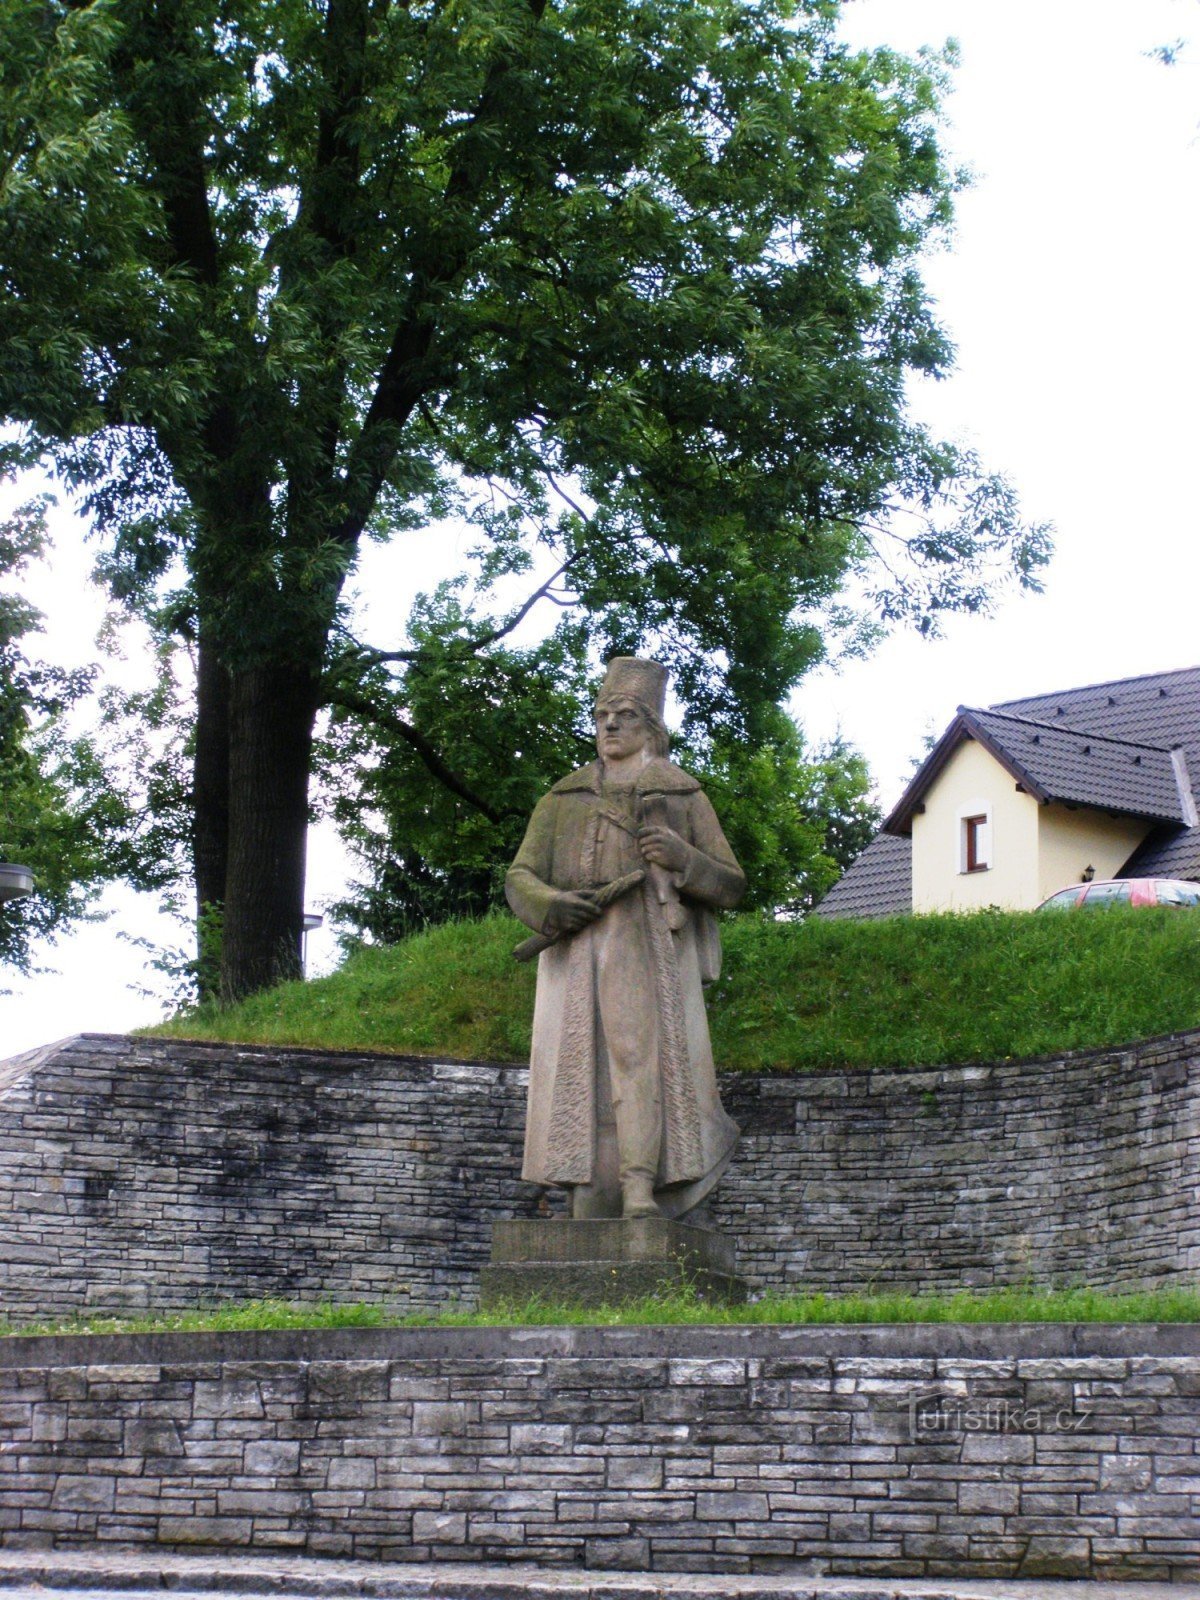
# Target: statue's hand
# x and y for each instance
(663, 847)
(570, 911)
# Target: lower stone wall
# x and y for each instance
(986, 1452)
(145, 1172)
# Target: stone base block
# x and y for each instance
(607, 1261)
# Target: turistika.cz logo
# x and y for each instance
(933, 1414)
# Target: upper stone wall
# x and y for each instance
(149, 1172)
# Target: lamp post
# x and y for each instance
(14, 881)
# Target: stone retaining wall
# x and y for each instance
(143, 1172)
(986, 1452)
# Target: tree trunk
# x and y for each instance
(272, 711)
(210, 791)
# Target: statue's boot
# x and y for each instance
(637, 1109)
(601, 1197)
(637, 1195)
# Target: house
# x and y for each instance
(1020, 799)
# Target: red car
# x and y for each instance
(1124, 892)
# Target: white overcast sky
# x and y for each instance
(1070, 289)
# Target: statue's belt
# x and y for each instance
(602, 898)
(619, 819)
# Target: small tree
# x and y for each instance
(59, 814)
(435, 844)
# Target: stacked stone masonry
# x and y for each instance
(902, 1451)
(142, 1172)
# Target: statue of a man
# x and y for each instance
(622, 866)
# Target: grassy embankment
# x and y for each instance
(794, 996)
(910, 991)
(1001, 1306)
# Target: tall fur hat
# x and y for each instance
(635, 678)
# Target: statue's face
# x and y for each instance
(621, 729)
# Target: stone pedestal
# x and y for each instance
(607, 1261)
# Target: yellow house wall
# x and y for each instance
(1069, 841)
(974, 783)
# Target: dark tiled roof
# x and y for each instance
(1166, 853)
(1085, 768)
(1163, 709)
(1149, 716)
(877, 884)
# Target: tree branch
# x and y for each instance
(403, 376)
(326, 213)
(360, 706)
(338, 164)
(541, 593)
(563, 495)
(363, 656)
(170, 123)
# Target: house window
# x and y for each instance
(976, 844)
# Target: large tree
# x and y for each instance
(277, 274)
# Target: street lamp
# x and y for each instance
(14, 881)
(312, 921)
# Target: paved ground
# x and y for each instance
(92, 1575)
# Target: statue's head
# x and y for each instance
(629, 709)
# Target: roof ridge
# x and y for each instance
(1110, 683)
(1063, 727)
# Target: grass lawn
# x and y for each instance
(1000, 1306)
(905, 991)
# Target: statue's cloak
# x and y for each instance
(666, 935)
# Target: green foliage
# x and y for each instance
(840, 798)
(1016, 1305)
(795, 822)
(59, 815)
(949, 988)
(436, 834)
(794, 996)
(1020, 1305)
(457, 980)
(666, 249)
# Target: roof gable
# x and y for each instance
(899, 819)
(1054, 762)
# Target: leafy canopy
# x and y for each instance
(274, 272)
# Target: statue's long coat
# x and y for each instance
(571, 844)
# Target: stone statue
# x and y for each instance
(621, 867)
